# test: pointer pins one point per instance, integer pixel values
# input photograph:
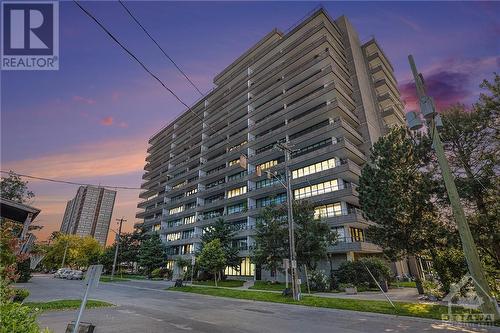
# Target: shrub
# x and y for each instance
(24, 271)
(355, 272)
(161, 272)
(20, 294)
(432, 288)
(318, 281)
(17, 318)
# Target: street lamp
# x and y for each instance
(434, 122)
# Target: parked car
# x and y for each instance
(65, 274)
(75, 275)
(60, 271)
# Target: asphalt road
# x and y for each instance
(143, 306)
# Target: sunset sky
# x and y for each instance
(90, 121)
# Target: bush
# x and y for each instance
(355, 272)
(20, 294)
(24, 271)
(432, 288)
(318, 281)
(161, 272)
(17, 318)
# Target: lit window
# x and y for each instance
(176, 210)
(317, 167)
(191, 192)
(329, 210)
(317, 189)
(190, 219)
(267, 165)
(236, 191)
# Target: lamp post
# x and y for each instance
(428, 110)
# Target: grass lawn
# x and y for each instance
(66, 304)
(405, 284)
(264, 285)
(403, 309)
(107, 278)
(225, 283)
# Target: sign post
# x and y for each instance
(286, 266)
(92, 280)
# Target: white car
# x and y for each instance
(75, 275)
(61, 271)
(66, 274)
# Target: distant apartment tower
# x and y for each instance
(89, 213)
(316, 87)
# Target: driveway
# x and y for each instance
(143, 306)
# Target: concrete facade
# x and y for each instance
(316, 87)
(89, 213)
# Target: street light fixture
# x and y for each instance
(434, 122)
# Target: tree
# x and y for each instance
(107, 257)
(152, 254)
(14, 188)
(222, 231)
(271, 238)
(395, 193)
(212, 258)
(313, 236)
(81, 252)
(471, 142)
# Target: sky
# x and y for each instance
(90, 121)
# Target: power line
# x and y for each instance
(115, 39)
(134, 57)
(158, 45)
(70, 182)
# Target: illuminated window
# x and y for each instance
(317, 189)
(246, 268)
(357, 235)
(329, 210)
(317, 167)
(190, 219)
(176, 210)
(267, 165)
(177, 186)
(156, 227)
(191, 192)
(173, 236)
(236, 191)
(233, 162)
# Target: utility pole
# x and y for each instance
(117, 245)
(291, 225)
(471, 255)
(64, 255)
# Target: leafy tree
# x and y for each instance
(107, 257)
(271, 238)
(471, 142)
(212, 258)
(395, 193)
(222, 231)
(152, 254)
(313, 236)
(14, 188)
(81, 252)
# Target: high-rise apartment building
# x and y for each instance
(89, 213)
(316, 87)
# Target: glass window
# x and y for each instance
(236, 191)
(176, 210)
(317, 167)
(317, 189)
(329, 210)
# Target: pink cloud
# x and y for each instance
(107, 121)
(84, 100)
